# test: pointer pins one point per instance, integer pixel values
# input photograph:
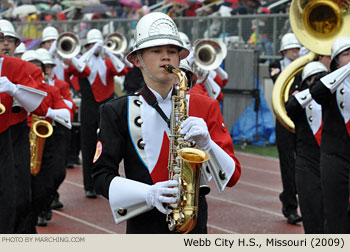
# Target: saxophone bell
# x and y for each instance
(39, 131)
(2, 108)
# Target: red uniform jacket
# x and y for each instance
(100, 91)
(18, 72)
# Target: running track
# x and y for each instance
(250, 207)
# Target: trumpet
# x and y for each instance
(116, 43)
(67, 46)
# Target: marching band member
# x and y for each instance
(27, 98)
(95, 89)
(20, 49)
(307, 117)
(135, 129)
(48, 42)
(285, 139)
(44, 184)
(332, 93)
(209, 82)
(64, 89)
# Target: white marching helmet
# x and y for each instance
(45, 56)
(312, 68)
(184, 38)
(185, 66)
(20, 49)
(7, 29)
(93, 36)
(49, 33)
(289, 41)
(339, 45)
(31, 55)
(157, 29)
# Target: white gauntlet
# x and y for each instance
(29, 98)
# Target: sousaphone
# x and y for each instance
(316, 24)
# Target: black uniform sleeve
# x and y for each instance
(274, 64)
(293, 108)
(320, 93)
(112, 141)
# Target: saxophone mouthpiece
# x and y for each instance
(169, 68)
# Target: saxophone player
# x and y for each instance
(13, 72)
(135, 129)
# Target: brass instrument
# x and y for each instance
(209, 53)
(316, 24)
(116, 43)
(67, 46)
(2, 108)
(184, 163)
(16, 106)
(39, 131)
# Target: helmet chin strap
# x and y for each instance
(146, 70)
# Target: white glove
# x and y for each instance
(160, 193)
(117, 63)
(190, 58)
(97, 45)
(78, 64)
(7, 86)
(87, 55)
(50, 113)
(196, 129)
(223, 74)
(128, 64)
(52, 49)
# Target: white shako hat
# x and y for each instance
(157, 29)
(49, 33)
(289, 41)
(45, 56)
(312, 68)
(339, 45)
(93, 36)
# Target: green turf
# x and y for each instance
(268, 150)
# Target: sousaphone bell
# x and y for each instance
(316, 24)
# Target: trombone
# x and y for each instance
(316, 24)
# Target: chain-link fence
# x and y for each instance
(262, 31)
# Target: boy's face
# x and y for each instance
(7, 45)
(48, 69)
(344, 58)
(47, 44)
(292, 53)
(155, 58)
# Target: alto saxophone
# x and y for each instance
(39, 131)
(184, 162)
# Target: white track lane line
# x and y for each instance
(221, 229)
(257, 186)
(256, 156)
(244, 205)
(260, 170)
(85, 222)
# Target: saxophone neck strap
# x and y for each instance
(152, 101)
